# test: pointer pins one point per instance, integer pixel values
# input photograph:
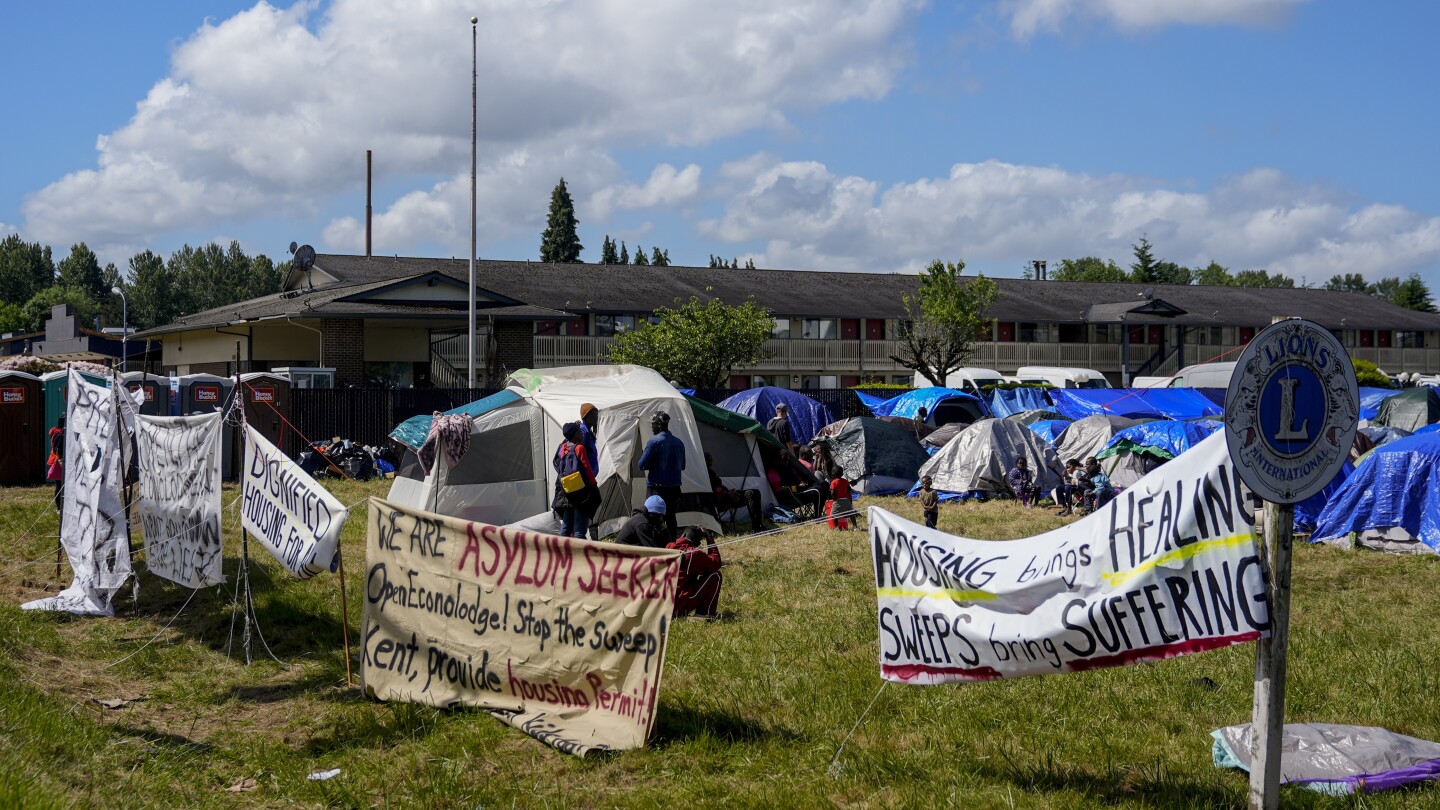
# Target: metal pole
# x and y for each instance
(474, 84)
(1268, 720)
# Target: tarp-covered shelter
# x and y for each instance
(878, 457)
(1391, 502)
(870, 401)
(1162, 439)
(1380, 435)
(1088, 436)
(1031, 417)
(506, 475)
(942, 436)
(942, 406)
(1307, 512)
(1410, 410)
(1050, 429)
(1372, 398)
(1005, 401)
(983, 454)
(1136, 403)
(917, 429)
(807, 415)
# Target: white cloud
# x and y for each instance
(1030, 17)
(667, 186)
(1004, 214)
(269, 112)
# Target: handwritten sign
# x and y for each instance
(179, 502)
(1167, 568)
(562, 638)
(12, 396)
(93, 523)
(291, 514)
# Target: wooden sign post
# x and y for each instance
(1290, 418)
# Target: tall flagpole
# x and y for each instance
(474, 81)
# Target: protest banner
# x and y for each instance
(93, 521)
(562, 638)
(179, 503)
(1167, 568)
(291, 514)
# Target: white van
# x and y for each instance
(1062, 377)
(968, 380)
(1203, 375)
(1149, 382)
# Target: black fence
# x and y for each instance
(367, 415)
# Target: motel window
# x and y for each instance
(1071, 332)
(781, 329)
(1034, 332)
(1410, 340)
(819, 381)
(612, 325)
(1107, 332)
(819, 329)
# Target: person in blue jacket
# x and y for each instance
(663, 460)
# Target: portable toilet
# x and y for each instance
(207, 393)
(55, 394)
(157, 392)
(22, 409)
(265, 401)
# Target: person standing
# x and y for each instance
(929, 502)
(780, 427)
(56, 463)
(589, 421)
(575, 490)
(663, 460)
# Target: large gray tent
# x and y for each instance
(1088, 436)
(981, 456)
(877, 456)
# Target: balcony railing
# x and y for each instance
(864, 356)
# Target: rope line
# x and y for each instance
(834, 769)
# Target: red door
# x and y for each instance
(1157, 335)
(1007, 332)
(1247, 334)
(849, 328)
(874, 329)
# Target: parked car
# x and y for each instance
(1062, 376)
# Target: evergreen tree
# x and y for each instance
(608, 254)
(1172, 273)
(624, 253)
(749, 264)
(152, 291)
(1145, 269)
(734, 263)
(561, 242)
(640, 256)
(25, 269)
(112, 306)
(81, 271)
(1262, 278)
(660, 258)
(1349, 282)
(716, 262)
(1414, 293)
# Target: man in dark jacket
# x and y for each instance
(663, 460)
(780, 427)
(646, 527)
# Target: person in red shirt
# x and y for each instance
(698, 591)
(842, 504)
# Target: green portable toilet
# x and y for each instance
(55, 399)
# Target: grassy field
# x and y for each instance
(752, 710)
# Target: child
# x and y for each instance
(1022, 482)
(841, 504)
(1101, 491)
(930, 502)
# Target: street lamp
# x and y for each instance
(124, 330)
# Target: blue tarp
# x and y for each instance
(1435, 428)
(1307, 512)
(1396, 485)
(1049, 429)
(1169, 437)
(1004, 402)
(869, 400)
(951, 497)
(908, 404)
(413, 431)
(1136, 403)
(807, 416)
(1370, 399)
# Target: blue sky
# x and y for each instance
(1294, 135)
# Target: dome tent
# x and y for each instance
(878, 457)
(983, 454)
(806, 415)
(942, 406)
(1410, 410)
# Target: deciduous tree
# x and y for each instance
(1088, 268)
(698, 344)
(943, 320)
(25, 269)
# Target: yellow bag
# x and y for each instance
(574, 482)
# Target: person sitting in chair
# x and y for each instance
(727, 499)
(1022, 482)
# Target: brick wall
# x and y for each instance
(514, 345)
(342, 347)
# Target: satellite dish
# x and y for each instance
(304, 257)
(1149, 294)
(293, 245)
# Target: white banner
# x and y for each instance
(290, 513)
(179, 502)
(93, 524)
(1169, 567)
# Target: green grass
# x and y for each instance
(752, 709)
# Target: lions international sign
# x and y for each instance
(1291, 411)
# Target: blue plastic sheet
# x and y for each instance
(1307, 512)
(1136, 403)
(1004, 402)
(412, 431)
(1169, 437)
(951, 497)
(807, 415)
(909, 404)
(1050, 429)
(1370, 399)
(869, 400)
(1396, 485)
(1435, 428)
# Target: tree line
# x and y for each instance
(159, 290)
(1411, 292)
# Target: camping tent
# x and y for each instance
(917, 429)
(942, 406)
(1380, 435)
(506, 475)
(1391, 502)
(878, 457)
(806, 415)
(1372, 398)
(1031, 417)
(1050, 429)
(1410, 410)
(1138, 449)
(1088, 436)
(942, 436)
(981, 456)
(1005, 401)
(741, 447)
